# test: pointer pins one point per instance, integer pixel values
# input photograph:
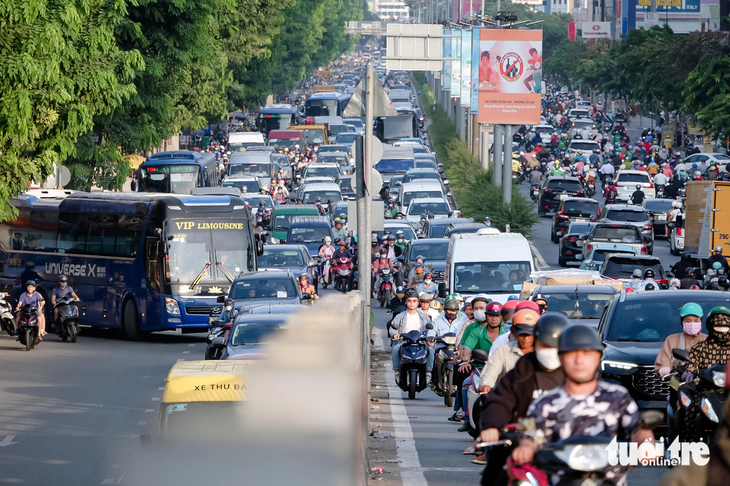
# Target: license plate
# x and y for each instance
(579, 220)
(660, 217)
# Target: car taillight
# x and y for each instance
(547, 190)
(581, 192)
(590, 245)
(647, 227)
(649, 185)
(643, 249)
(572, 239)
(546, 206)
(563, 216)
(662, 281)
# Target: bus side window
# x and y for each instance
(153, 263)
(14, 234)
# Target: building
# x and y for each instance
(390, 8)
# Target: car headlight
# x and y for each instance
(685, 399)
(707, 409)
(584, 457)
(172, 306)
(718, 378)
(607, 365)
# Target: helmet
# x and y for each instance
(695, 287)
(327, 239)
(694, 166)
(716, 266)
(457, 296)
(674, 282)
(579, 338)
(400, 290)
(339, 241)
(428, 274)
(494, 308)
(424, 297)
(487, 218)
(549, 327)
(691, 309)
(510, 305)
(629, 289)
(451, 305)
(527, 304)
(468, 301)
(63, 278)
(399, 234)
(478, 297)
(527, 317)
(391, 238)
(304, 275)
(636, 273)
(410, 293)
(676, 204)
(718, 316)
(650, 286)
(513, 297)
(30, 282)
(638, 186)
(436, 305)
(718, 249)
(337, 220)
(230, 302)
(649, 273)
(580, 152)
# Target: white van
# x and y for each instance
(419, 188)
(488, 262)
(240, 141)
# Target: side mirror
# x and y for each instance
(306, 296)
(480, 354)
(429, 326)
(221, 299)
(680, 354)
(133, 186)
(311, 264)
(447, 182)
(219, 342)
(442, 290)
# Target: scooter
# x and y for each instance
(28, 329)
(535, 191)
(443, 368)
(413, 355)
(325, 277)
(342, 273)
(7, 322)
(218, 330)
(591, 189)
(478, 358)
(68, 318)
(385, 292)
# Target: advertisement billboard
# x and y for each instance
(475, 70)
(510, 76)
(465, 67)
(456, 64)
(447, 64)
(669, 5)
(596, 30)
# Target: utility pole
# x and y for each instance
(497, 174)
(507, 169)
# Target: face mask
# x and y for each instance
(63, 285)
(228, 307)
(548, 358)
(400, 240)
(427, 281)
(480, 315)
(692, 328)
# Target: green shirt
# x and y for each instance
(476, 337)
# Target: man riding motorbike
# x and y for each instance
(60, 292)
(413, 319)
(381, 263)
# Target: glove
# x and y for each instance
(664, 371)
(687, 377)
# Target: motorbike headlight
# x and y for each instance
(684, 399)
(449, 340)
(172, 306)
(584, 457)
(718, 378)
(707, 409)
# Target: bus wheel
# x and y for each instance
(131, 321)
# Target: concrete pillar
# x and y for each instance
(497, 158)
(509, 131)
(484, 134)
(475, 132)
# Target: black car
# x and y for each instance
(571, 244)
(264, 287)
(248, 333)
(433, 251)
(572, 209)
(295, 258)
(658, 209)
(435, 228)
(346, 186)
(555, 187)
(633, 329)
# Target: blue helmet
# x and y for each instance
(400, 290)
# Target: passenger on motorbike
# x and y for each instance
(63, 290)
(427, 286)
(413, 319)
(424, 300)
(691, 316)
(31, 297)
(399, 299)
(584, 404)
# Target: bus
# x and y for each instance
(326, 104)
(275, 117)
(177, 172)
(138, 262)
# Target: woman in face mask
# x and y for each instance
(691, 315)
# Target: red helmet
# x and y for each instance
(528, 304)
(510, 305)
(629, 289)
(494, 308)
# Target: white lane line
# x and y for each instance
(120, 479)
(160, 388)
(108, 481)
(541, 264)
(155, 399)
(406, 453)
(142, 422)
(149, 410)
(191, 344)
(186, 352)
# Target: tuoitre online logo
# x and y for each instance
(653, 453)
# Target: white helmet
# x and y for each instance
(676, 204)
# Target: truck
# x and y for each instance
(314, 134)
(707, 220)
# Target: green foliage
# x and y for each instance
(60, 68)
(707, 93)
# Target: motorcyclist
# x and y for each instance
(691, 319)
(583, 404)
(399, 299)
(648, 278)
(413, 319)
(400, 240)
(428, 286)
(393, 250)
(424, 300)
(381, 263)
(340, 231)
(228, 314)
(635, 282)
(638, 196)
(449, 321)
(306, 287)
(31, 297)
(579, 157)
(343, 252)
(326, 251)
(488, 221)
(557, 172)
(717, 257)
(63, 290)
(532, 375)
(535, 178)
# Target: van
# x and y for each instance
(241, 141)
(487, 262)
(309, 231)
(418, 189)
(282, 216)
(282, 139)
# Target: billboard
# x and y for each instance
(510, 76)
(685, 6)
(475, 70)
(456, 64)
(596, 30)
(465, 67)
(447, 64)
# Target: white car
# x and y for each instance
(704, 161)
(437, 206)
(625, 182)
(587, 146)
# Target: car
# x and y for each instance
(346, 186)
(704, 161)
(633, 330)
(273, 308)
(579, 125)
(394, 185)
(633, 215)
(327, 192)
(597, 255)
(264, 287)
(584, 104)
(576, 113)
(571, 243)
(347, 138)
(420, 189)
(436, 206)
(657, 210)
(626, 234)
(246, 184)
(583, 304)
(433, 251)
(621, 267)
(394, 225)
(255, 201)
(356, 122)
(341, 207)
(545, 131)
(339, 158)
(554, 188)
(252, 163)
(309, 231)
(295, 258)
(335, 147)
(585, 146)
(457, 229)
(322, 169)
(282, 215)
(436, 228)
(573, 209)
(417, 174)
(625, 182)
(426, 161)
(248, 333)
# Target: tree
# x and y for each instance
(60, 67)
(707, 94)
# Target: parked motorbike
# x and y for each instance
(28, 328)
(387, 280)
(68, 318)
(443, 369)
(413, 354)
(342, 273)
(7, 322)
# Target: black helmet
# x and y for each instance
(549, 327)
(650, 286)
(685, 257)
(230, 302)
(718, 316)
(62, 278)
(579, 338)
(411, 293)
(649, 273)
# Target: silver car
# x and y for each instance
(633, 215)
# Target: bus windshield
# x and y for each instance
(192, 245)
(276, 121)
(282, 143)
(491, 277)
(175, 179)
(254, 169)
(322, 107)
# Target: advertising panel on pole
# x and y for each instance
(596, 30)
(475, 70)
(456, 64)
(465, 67)
(447, 63)
(510, 76)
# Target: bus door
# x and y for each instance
(154, 265)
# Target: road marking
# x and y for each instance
(186, 352)
(8, 440)
(406, 452)
(120, 479)
(155, 399)
(541, 264)
(142, 422)
(191, 344)
(161, 388)
(107, 481)
(149, 410)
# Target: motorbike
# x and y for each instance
(325, 276)
(659, 191)
(28, 328)
(590, 189)
(342, 273)
(7, 322)
(543, 165)
(387, 281)
(413, 354)
(525, 175)
(394, 311)
(68, 319)
(535, 191)
(443, 369)
(475, 398)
